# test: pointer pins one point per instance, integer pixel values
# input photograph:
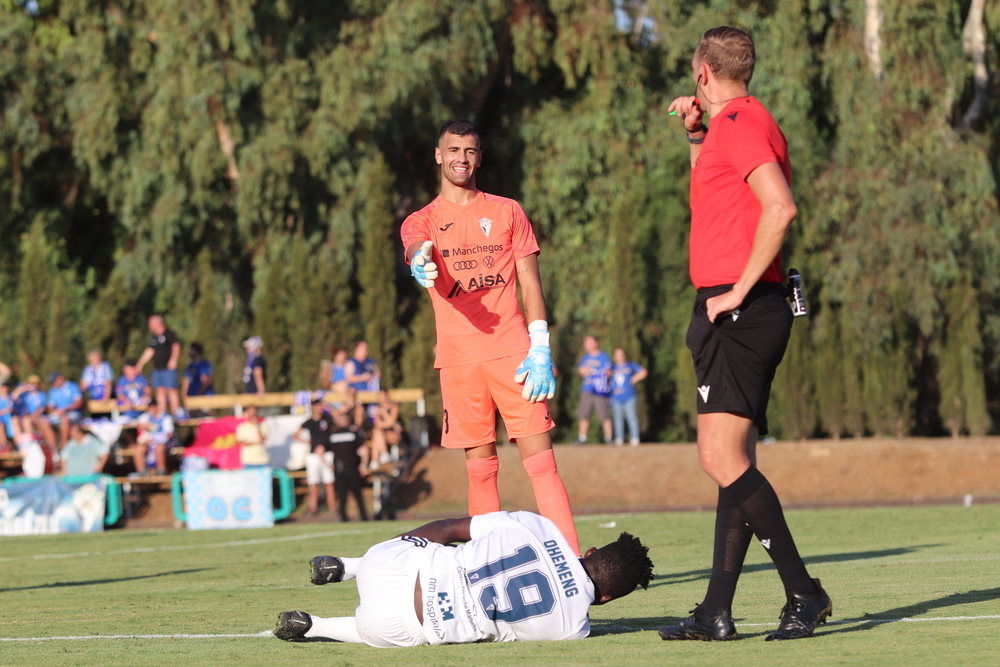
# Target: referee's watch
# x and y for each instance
(692, 140)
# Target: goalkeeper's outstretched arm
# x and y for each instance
(422, 268)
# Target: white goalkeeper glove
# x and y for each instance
(535, 372)
(423, 270)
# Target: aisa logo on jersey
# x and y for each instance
(477, 283)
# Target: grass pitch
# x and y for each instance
(910, 586)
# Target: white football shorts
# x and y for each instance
(386, 578)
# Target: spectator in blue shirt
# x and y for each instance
(97, 377)
(361, 374)
(132, 390)
(255, 369)
(29, 407)
(595, 369)
(65, 401)
(6, 417)
(624, 376)
(199, 376)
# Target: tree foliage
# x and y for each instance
(244, 166)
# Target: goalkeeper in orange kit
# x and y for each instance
(473, 251)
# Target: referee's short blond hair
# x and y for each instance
(729, 52)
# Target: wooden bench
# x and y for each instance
(237, 402)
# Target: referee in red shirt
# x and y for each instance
(741, 207)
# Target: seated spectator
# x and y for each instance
(316, 432)
(33, 458)
(4, 372)
(255, 369)
(84, 453)
(387, 431)
(97, 377)
(132, 391)
(250, 436)
(6, 417)
(156, 434)
(29, 409)
(65, 400)
(350, 459)
(199, 377)
(361, 374)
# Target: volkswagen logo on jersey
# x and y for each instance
(466, 265)
(486, 225)
(489, 261)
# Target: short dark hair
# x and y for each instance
(729, 52)
(459, 127)
(617, 568)
(197, 347)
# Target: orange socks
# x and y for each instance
(551, 496)
(483, 495)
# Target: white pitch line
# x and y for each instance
(268, 633)
(185, 547)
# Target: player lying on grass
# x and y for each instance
(512, 577)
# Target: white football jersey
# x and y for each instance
(517, 579)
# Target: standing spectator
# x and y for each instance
(29, 405)
(6, 416)
(316, 432)
(250, 436)
(349, 464)
(156, 433)
(255, 368)
(625, 375)
(491, 354)
(165, 351)
(332, 373)
(361, 374)
(595, 369)
(65, 401)
(741, 208)
(199, 376)
(132, 391)
(97, 377)
(84, 453)
(339, 381)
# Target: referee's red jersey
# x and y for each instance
(724, 211)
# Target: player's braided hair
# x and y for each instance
(619, 567)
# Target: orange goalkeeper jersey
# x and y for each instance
(476, 308)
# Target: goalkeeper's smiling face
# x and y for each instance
(459, 157)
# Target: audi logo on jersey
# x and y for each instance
(466, 265)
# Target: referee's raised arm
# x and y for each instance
(689, 109)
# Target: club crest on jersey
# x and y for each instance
(486, 225)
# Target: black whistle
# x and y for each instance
(796, 297)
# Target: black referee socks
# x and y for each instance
(756, 500)
(749, 506)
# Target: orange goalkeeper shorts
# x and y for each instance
(473, 393)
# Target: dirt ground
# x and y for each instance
(668, 477)
(815, 473)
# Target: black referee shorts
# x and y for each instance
(736, 356)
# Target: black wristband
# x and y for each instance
(691, 140)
